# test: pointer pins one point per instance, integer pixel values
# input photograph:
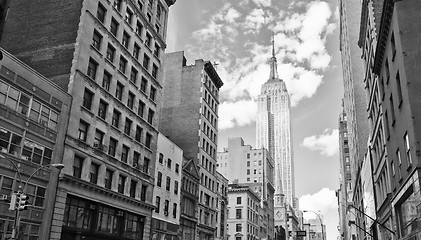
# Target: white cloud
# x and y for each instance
(264, 3)
(326, 143)
(231, 15)
(322, 201)
(238, 113)
(325, 204)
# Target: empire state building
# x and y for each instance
(273, 131)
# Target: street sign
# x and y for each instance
(300, 233)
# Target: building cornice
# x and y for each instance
(210, 70)
(363, 23)
(385, 23)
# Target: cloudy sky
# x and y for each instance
(236, 34)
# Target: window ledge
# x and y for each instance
(110, 62)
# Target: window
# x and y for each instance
(175, 187)
(386, 65)
(127, 126)
(146, 163)
(114, 27)
(130, 100)
(117, 5)
(169, 162)
(128, 17)
(156, 50)
(100, 12)
(82, 131)
(148, 140)
(177, 168)
(35, 152)
(149, 17)
(87, 99)
(119, 91)
(141, 108)
(158, 12)
(157, 204)
(161, 158)
(136, 159)
(148, 40)
(143, 85)
(92, 67)
(152, 94)
(96, 40)
(166, 206)
(133, 75)
(238, 200)
(102, 109)
(138, 135)
(398, 87)
(106, 81)
(133, 185)
(392, 166)
(139, 28)
(112, 147)
(110, 53)
(122, 65)
(126, 39)
(154, 71)
(145, 61)
(392, 110)
(248, 163)
(99, 137)
(168, 185)
(159, 180)
(136, 51)
(151, 114)
(407, 148)
(121, 183)
(238, 214)
(93, 174)
(124, 153)
(174, 210)
(393, 45)
(116, 118)
(108, 178)
(143, 192)
(238, 227)
(248, 171)
(77, 166)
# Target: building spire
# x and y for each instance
(273, 64)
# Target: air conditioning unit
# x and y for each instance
(100, 147)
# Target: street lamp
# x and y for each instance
(20, 196)
(321, 223)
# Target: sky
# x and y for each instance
(236, 35)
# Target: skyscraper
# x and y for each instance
(273, 132)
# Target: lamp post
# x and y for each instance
(20, 195)
(321, 223)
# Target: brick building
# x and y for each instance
(33, 118)
(107, 55)
(189, 117)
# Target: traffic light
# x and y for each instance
(23, 202)
(13, 199)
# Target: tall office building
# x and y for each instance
(107, 55)
(189, 118)
(273, 131)
(355, 103)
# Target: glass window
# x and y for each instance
(128, 126)
(148, 140)
(152, 94)
(36, 153)
(106, 81)
(126, 39)
(154, 71)
(157, 204)
(143, 192)
(102, 109)
(77, 166)
(110, 53)
(136, 51)
(175, 187)
(133, 75)
(124, 153)
(138, 135)
(159, 179)
(112, 147)
(92, 67)
(161, 158)
(141, 108)
(129, 16)
(151, 114)
(87, 99)
(119, 91)
(146, 163)
(93, 174)
(145, 61)
(139, 28)
(96, 40)
(114, 26)
(121, 183)
(100, 13)
(122, 65)
(143, 85)
(108, 178)
(83, 131)
(168, 185)
(117, 5)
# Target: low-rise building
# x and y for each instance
(221, 206)
(166, 217)
(33, 118)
